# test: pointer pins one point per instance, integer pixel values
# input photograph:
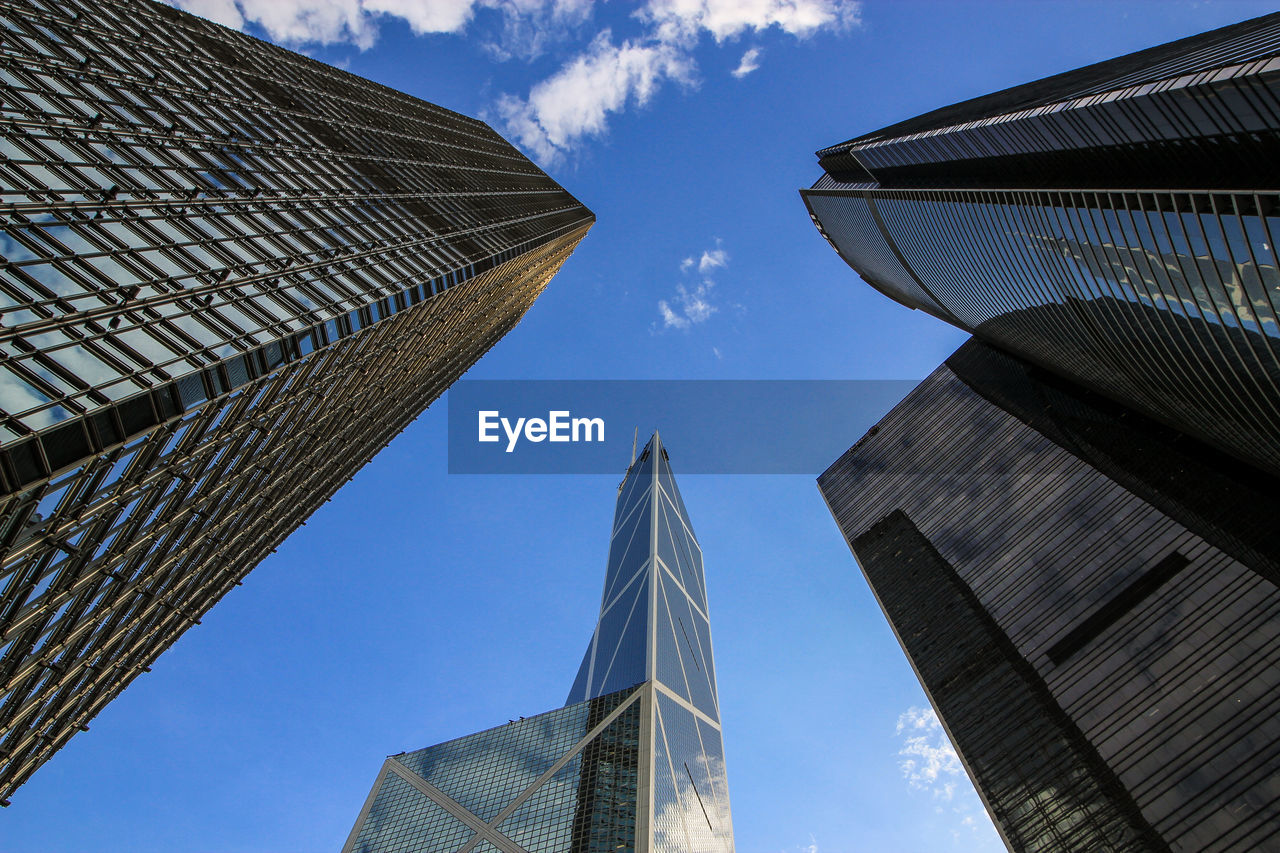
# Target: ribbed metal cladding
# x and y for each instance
(1116, 224)
(1210, 101)
(230, 275)
(1097, 626)
(1045, 784)
(1165, 301)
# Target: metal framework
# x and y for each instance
(229, 275)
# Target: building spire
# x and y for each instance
(653, 622)
(635, 758)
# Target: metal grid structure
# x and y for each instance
(1203, 108)
(1167, 301)
(229, 276)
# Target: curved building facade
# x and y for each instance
(1116, 224)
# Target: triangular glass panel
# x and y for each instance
(665, 546)
(625, 513)
(610, 630)
(713, 748)
(690, 557)
(703, 631)
(701, 815)
(404, 818)
(685, 622)
(545, 820)
(639, 478)
(486, 771)
(670, 667)
(627, 664)
(591, 802)
(667, 480)
(628, 551)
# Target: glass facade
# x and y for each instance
(229, 275)
(1090, 600)
(691, 807)
(1167, 301)
(560, 782)
(403, 818)
(1160, 291)
(1070, 525)
(654, 778)
(661, 633)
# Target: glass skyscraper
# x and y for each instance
(1116, 224)
(635, 758)
(1070, 525)
(229, 275)
(1089, 599)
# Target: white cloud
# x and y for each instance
(927, 758)
(224, 12)
(527, 24)
(750, 62)
(929, 763)
(685, 20)
(692, 306)
(693, 809)
(711, 259)
(426, 16)
(575, 102)
(529, 27)
(295, 21)
(691, 303)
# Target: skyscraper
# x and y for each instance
(633, 761)
(1090, 601)
(231, 274)
(1070, 524)
(1116, 224)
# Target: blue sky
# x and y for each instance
(419, 606)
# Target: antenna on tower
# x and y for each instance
(634, 438)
